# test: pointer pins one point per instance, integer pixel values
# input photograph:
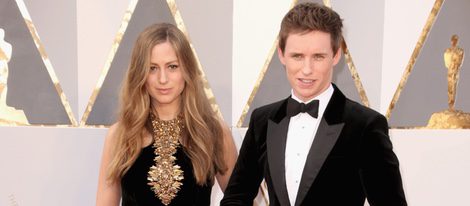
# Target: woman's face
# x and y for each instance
(165, 81)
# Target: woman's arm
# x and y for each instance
(109, 194)
(230, 156)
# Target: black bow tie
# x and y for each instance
(294, 108)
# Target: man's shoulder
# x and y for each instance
(271, 106)
(268, 109)
(361, 111)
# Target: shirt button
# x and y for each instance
(298, 154)
(297, 181)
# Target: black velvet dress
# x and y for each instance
(136, 192)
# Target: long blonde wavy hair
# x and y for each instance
(203, 142)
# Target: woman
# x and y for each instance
(168, 144)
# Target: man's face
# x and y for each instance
(309, 60)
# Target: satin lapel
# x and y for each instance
(324, 141)
(276, 147)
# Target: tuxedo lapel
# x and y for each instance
(276, 147)
(324, 141)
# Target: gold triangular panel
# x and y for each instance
(34, 93)
(103, 104)
(273, 87)
(214, 49)
(345, 76)
(181, 25)
(143, 13)
(423, 90)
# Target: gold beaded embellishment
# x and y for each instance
(165, 176)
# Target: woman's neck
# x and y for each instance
(167, 111)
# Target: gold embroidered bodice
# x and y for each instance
(165, 176)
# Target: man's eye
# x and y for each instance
(318, 57)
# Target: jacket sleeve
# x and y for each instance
(247, 174)
(379, 172)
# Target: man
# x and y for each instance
(335, 151)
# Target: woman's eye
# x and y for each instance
(173, 66)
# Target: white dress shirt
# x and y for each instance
(302, 130)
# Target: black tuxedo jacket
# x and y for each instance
(351, 158)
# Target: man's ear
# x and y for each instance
(280, 54)
(337, 56)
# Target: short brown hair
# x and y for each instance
(308, 17)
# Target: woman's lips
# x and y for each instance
(164, 90)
